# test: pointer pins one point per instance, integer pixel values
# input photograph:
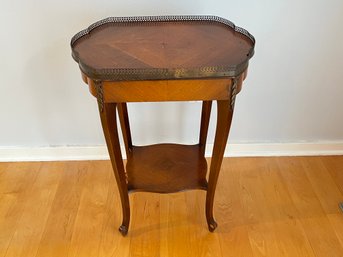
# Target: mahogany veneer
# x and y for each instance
(164, 58)
(166, 168)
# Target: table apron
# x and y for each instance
(165, 90)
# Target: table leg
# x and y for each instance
(109, 125)
(125, 127)
(205, 118)
(224, 117)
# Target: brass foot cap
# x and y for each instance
(123, 230)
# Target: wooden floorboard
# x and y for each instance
(275, 206)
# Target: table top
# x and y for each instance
(162, 47)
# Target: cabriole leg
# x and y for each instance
(125, 127)
(109, 125)
(205, 119)
(224, 117)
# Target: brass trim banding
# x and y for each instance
(99, 94)
(233, 93)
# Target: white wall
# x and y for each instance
(293, 91)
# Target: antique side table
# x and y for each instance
(164, 58)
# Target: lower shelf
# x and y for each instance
(166, 168)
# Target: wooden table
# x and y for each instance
(164, 58)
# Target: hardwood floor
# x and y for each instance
(280, 206)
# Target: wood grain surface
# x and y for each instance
(280, 206)
(166, 168)
(179, 44)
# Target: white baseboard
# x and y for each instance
(62, 153)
